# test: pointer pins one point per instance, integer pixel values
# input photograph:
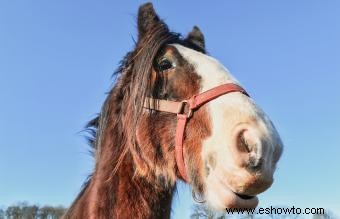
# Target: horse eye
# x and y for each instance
(164, 65)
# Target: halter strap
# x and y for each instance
(184, 110)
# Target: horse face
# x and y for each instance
(231, 147)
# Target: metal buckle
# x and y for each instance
(182, 107)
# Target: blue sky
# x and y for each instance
(57, 57)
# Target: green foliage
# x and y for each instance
(25, 211)
(203, 212)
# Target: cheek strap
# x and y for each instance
(185, 110)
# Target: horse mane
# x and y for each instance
(124, 103)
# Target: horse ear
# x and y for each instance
(196, 37)
(147, 18)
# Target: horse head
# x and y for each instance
(229, 148)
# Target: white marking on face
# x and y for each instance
(226, 114)
(212, 72)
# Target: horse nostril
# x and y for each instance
(242, 143)
(246, 146)
(255, 161)
(249, 146)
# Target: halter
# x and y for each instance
(184, 110)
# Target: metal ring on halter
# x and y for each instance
(181, 109)
(196, 199)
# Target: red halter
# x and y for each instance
(184, 110)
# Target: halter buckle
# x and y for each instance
(182, 108)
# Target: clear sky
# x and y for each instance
(57, 57)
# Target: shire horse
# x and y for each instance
(173, 113)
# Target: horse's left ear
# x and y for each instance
(196, 37)
(147, 19)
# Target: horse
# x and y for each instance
(175, 113)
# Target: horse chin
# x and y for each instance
(220, 196)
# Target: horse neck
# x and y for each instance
(121, 195)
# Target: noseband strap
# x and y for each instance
(184, 110)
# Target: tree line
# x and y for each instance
(24, 210)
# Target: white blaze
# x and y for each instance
(212, 72)
(226, 113)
